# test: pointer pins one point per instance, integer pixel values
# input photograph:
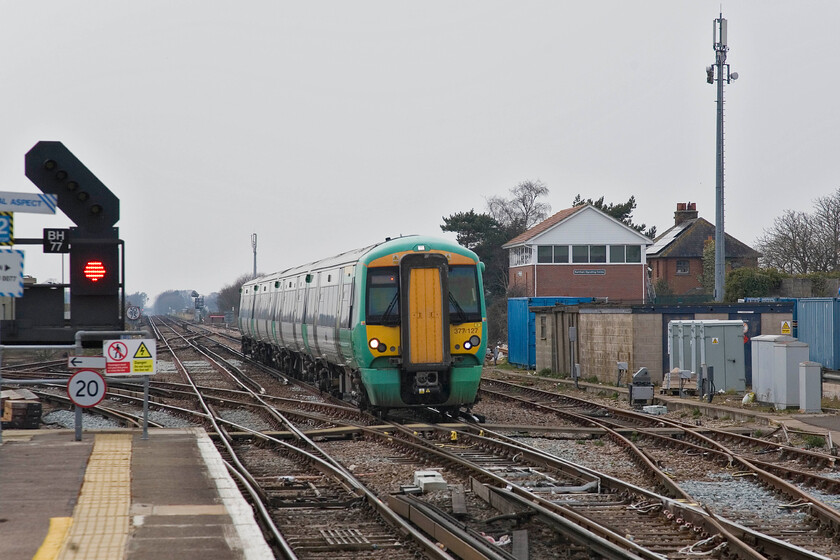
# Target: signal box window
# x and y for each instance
(634, 253)
(597, 253)
(383, 296)
(552, 254)
(682, 267)
(580, 253)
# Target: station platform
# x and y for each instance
(116, 496)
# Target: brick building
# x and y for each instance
(676, 256)
(580, 252)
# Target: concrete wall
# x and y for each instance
(647, 345)
(605, 338)
(610, 335)
(804, 288)
(771, 323)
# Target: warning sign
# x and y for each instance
(130, 357)
(785, 327)
(715, 340)
(142, 351)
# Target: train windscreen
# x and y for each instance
(383, 295)
(464, 306)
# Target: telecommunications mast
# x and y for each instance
(254, 245)
(723, 75)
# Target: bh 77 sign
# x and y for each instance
(130, 357)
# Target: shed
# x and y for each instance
(522, 330)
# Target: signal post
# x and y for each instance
(97, 254)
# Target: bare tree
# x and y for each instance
(828, 221)
(523, 209)
(791, 244)
(228, 297)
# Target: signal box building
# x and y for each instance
(579, 252)
(676, 256)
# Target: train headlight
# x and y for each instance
(472, 342)
(376, 344)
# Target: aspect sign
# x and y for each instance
(27, 202)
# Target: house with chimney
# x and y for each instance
(579, 252)
(676, 256)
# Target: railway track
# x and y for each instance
(329, 480)
(688, 547)
(703, 462)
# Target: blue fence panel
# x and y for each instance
(520, 324)
(818, 325)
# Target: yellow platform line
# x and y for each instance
(55, 538)
(101, 517)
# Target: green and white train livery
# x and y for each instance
(397, 324)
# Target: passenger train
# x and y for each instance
(398, 324)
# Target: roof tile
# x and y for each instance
(543, 226)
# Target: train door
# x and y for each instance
(345, 314)
(299, 312)
(310, 333)
(287, 313)
(246, 311)
(260, 311)
(328, 314)
(425, 327)
(277, 311)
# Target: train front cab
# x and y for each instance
(425, 331)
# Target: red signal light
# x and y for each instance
(94, 271)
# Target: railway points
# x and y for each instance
(380, 457)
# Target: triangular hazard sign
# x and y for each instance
(142, 351)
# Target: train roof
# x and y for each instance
(367, 254)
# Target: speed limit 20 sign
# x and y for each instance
(86, 388)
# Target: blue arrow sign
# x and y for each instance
(11, 273)
(7, 236)
(28, 202)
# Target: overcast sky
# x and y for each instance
(327, 126)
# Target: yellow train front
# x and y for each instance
(403, 323)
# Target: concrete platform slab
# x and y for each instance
(121, 498)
